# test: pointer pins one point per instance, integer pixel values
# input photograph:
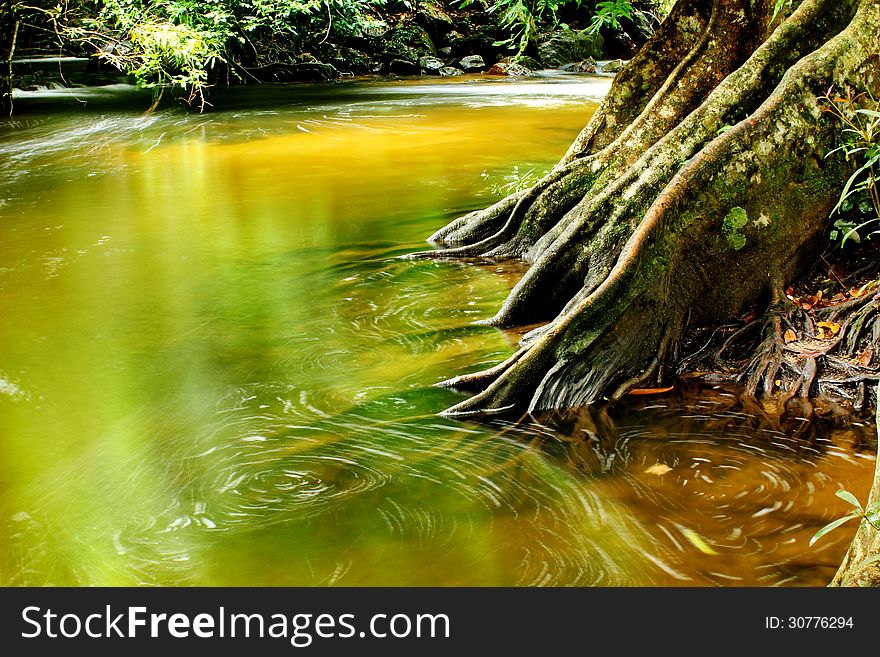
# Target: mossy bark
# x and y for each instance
(710, 214)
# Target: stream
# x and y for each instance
(216, 370)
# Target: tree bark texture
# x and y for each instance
(860, 566)
(692, 192)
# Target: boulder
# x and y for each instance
(613, 66)
(433, 17)
(586, 66)
(472, 64)
(407, 41)
(563, 46)
(523, 60)
(450, 71)
(430, 65)
(403, 67)
(508, 68)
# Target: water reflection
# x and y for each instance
(216, 370)
(726, 497)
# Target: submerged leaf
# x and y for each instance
(658, 469)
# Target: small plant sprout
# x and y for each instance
(871, 515)
(859, 114)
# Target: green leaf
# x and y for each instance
(846, 188)
(833, 525)
(849, 497)
(868, 112)
(852, 234)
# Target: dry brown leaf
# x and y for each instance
(833, 327)
(789, 336)
(865, 357)
(658, 469)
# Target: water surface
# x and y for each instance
(216, 370)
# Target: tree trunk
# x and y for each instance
(700, 186)
(858, 568)
(696, 189)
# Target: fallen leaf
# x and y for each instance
(658, 469)
(865, 357)
(649, 391)
(833, 327)
(789, 336)
(806, 306)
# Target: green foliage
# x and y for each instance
(523, 18)
(871, 515)
(178, 43)
(609, 13)
(859, 116)
(779, 6)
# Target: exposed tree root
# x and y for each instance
(630, 242)
(812, 360)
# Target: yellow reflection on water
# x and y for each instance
(155, 267)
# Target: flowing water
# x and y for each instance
(216, 370)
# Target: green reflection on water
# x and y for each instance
(193, 304)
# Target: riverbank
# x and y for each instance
(433, 39)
